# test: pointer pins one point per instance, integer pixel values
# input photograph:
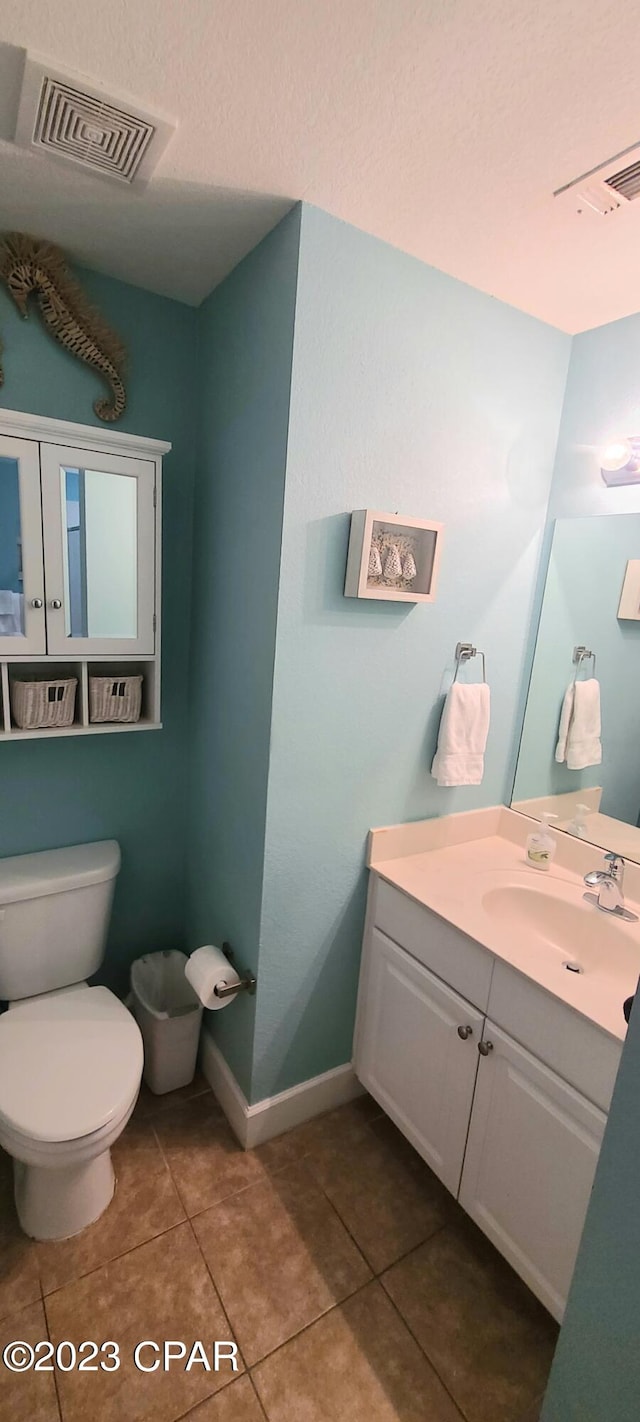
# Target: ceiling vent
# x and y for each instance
(62, 114)
(626, 182)
(606, 189)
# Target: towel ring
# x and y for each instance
(464, 652)
(583, 654)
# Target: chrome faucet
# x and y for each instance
(610, 885)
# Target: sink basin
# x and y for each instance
(580, 934)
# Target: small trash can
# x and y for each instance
(168, 1014)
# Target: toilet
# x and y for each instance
(70, 1055)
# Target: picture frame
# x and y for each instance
(629, 605)
(392, 558)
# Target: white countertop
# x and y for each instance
(454, 879)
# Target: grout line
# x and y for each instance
(258, 1397)
(219, 1298)
(361, 1250)
(167, 1167)
(336, 1304)
(430, 1361)
(305, 1328)
(198, 1406)
(104, 1263)
(261, 1180)
(413, 1250)
(55, 1370)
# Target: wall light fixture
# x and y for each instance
(620, 461)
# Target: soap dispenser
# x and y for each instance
(541, 844)
(578, 825)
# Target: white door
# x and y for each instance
(22, 618)
(529, 1165)
(417, 1054)
(99, 548)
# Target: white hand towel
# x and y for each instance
(459, 759)
(579, 730)
(10, 613)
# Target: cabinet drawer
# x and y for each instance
(569, 1044)
(460, 962)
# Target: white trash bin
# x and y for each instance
(169, 1015)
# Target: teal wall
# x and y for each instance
(245, 345)
(131, 787)
(410, 392)
(582, 592)
(602, 401)
(596, 1371)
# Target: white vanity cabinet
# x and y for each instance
(417, 1055)
(529, 1165)
(80, 542)
(515, 1140)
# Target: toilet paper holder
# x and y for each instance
(247, 980)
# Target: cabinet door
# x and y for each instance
(529, 1165)
(99, 548)
(411, 1057)
(22, 626)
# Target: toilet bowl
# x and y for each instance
(70, 1055)
(70, 1072)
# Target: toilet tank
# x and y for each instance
(54, 915)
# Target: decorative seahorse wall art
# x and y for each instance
(29, 265)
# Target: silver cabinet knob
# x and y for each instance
(465, 1032)
(36, 602)
(484, 1048)
(55, 602)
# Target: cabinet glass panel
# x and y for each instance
(12, 620)
(100, 523)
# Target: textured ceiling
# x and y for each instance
(442, 126)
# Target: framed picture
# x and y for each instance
(392, 558)
(629, 605)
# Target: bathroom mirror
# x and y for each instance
(582, 609)
(11, 593)
(100, 553)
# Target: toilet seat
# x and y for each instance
(70, 1062)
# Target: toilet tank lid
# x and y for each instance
(54, 871)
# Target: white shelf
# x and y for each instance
(47, 668)
(15, 734)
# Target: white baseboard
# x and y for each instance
(255, 1124)
(224, 1086)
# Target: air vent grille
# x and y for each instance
(77, 125)
(626, 182)
(67, 117)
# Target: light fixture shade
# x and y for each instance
(620, 461)
(614, 456)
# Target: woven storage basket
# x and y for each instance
(35, 704)
(115, 698)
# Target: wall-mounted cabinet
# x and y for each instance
(80, 526)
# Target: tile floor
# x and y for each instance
(354, 1287)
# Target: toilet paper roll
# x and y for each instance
(208, 969)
